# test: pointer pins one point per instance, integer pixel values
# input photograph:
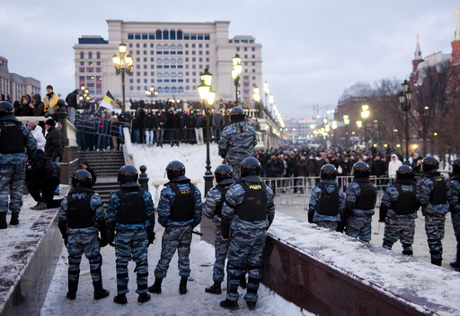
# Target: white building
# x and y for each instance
(13, 86)
(169, 57)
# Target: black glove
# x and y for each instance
(225, 227)
(103, 230)
(110, 227)
(310, 215)
(150, 233)
(63, 229)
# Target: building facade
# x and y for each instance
(13, 86)
(170, 57)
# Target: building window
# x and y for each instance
(253, 49)
(130, 36)
(145, 36)
(137, 36)
(165, 34)
(151, 37)
(98, 55)
(90, 55)
(179, 34)
(172, 34)
(245, 49)
(207, 37)
(82, 55)
(158, 34)
(186, 36)
(237, 49)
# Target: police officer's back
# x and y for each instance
(14, 137)
(455, 208)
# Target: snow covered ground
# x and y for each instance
(406, 277)
(169, 302)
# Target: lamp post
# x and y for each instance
(236, 71)
(150, 92)
(207, 96)
(346, 121)
(255, 94)
(405, 97)
(365, 114)
(123, 64)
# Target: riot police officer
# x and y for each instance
(81, 217)
(14, 137)
(179, 211)
(327, 201)
(212, 208)
(398, 210)
(237, 141)
(360, 203)
(435, 195)
(131, 214)
(247, 213)
(455, 208)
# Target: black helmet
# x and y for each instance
(361, 170)
(237, 115)
(127, 176)
(81, 178)
(250, 166)
(6, 108)
(430, 163)
(405, 172)
(176, 171)
(456, 166)
(329, 172)
(223, 172)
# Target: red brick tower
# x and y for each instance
(456, 42)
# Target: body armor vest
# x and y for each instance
(329, 202)
(254, 205)
(79, 212)
(366, 200)
(407, 201)
(132, 207)
(11, 139)
(223, 190)
(438, 195)
(183, 207)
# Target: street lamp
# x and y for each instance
(150, 92)
(236, 71)
(207, 96)
(266, 91)
(334, 127)
(346, 121)
(365, 114)
(255, 94)
(123, 64)
(405, 97)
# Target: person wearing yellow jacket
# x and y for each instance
(50, 100)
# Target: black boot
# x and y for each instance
(436, 258)
(243, 283)
(387, 244)
(120, 299)
(99, 291)
(143, 297)
(214, 289)
(231, 305)
(407, 250)
(251, 305)
(156, 287)
(183, 285)
(14, 218)
(73, 286)
(456, 263)
(3, 224)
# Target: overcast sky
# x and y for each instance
(311, 50)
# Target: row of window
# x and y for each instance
(90, 55)
(172, 46)
(173, 52)
(169, 35)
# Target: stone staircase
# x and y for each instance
(106, 165)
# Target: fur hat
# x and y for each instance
(50, 122)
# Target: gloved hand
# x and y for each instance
(150, 234)
(110, 233)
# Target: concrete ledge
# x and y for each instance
(328, 273)
(30, 252)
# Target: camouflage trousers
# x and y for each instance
(87, 243)
(328, 224)
(245, 254)
(456, 224)
(131, 244)
(175, 237)
(434, 228)
(12, 177)
(401, 228)
(221, 249)
(359, 227)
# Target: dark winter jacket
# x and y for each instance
(71, 99)
(53, 143)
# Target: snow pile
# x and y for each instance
(394, 274)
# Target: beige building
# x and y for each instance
(169, 57)
(13, 85)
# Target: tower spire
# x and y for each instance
(418, 51)
(457, 31)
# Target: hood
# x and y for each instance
(37, 98)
